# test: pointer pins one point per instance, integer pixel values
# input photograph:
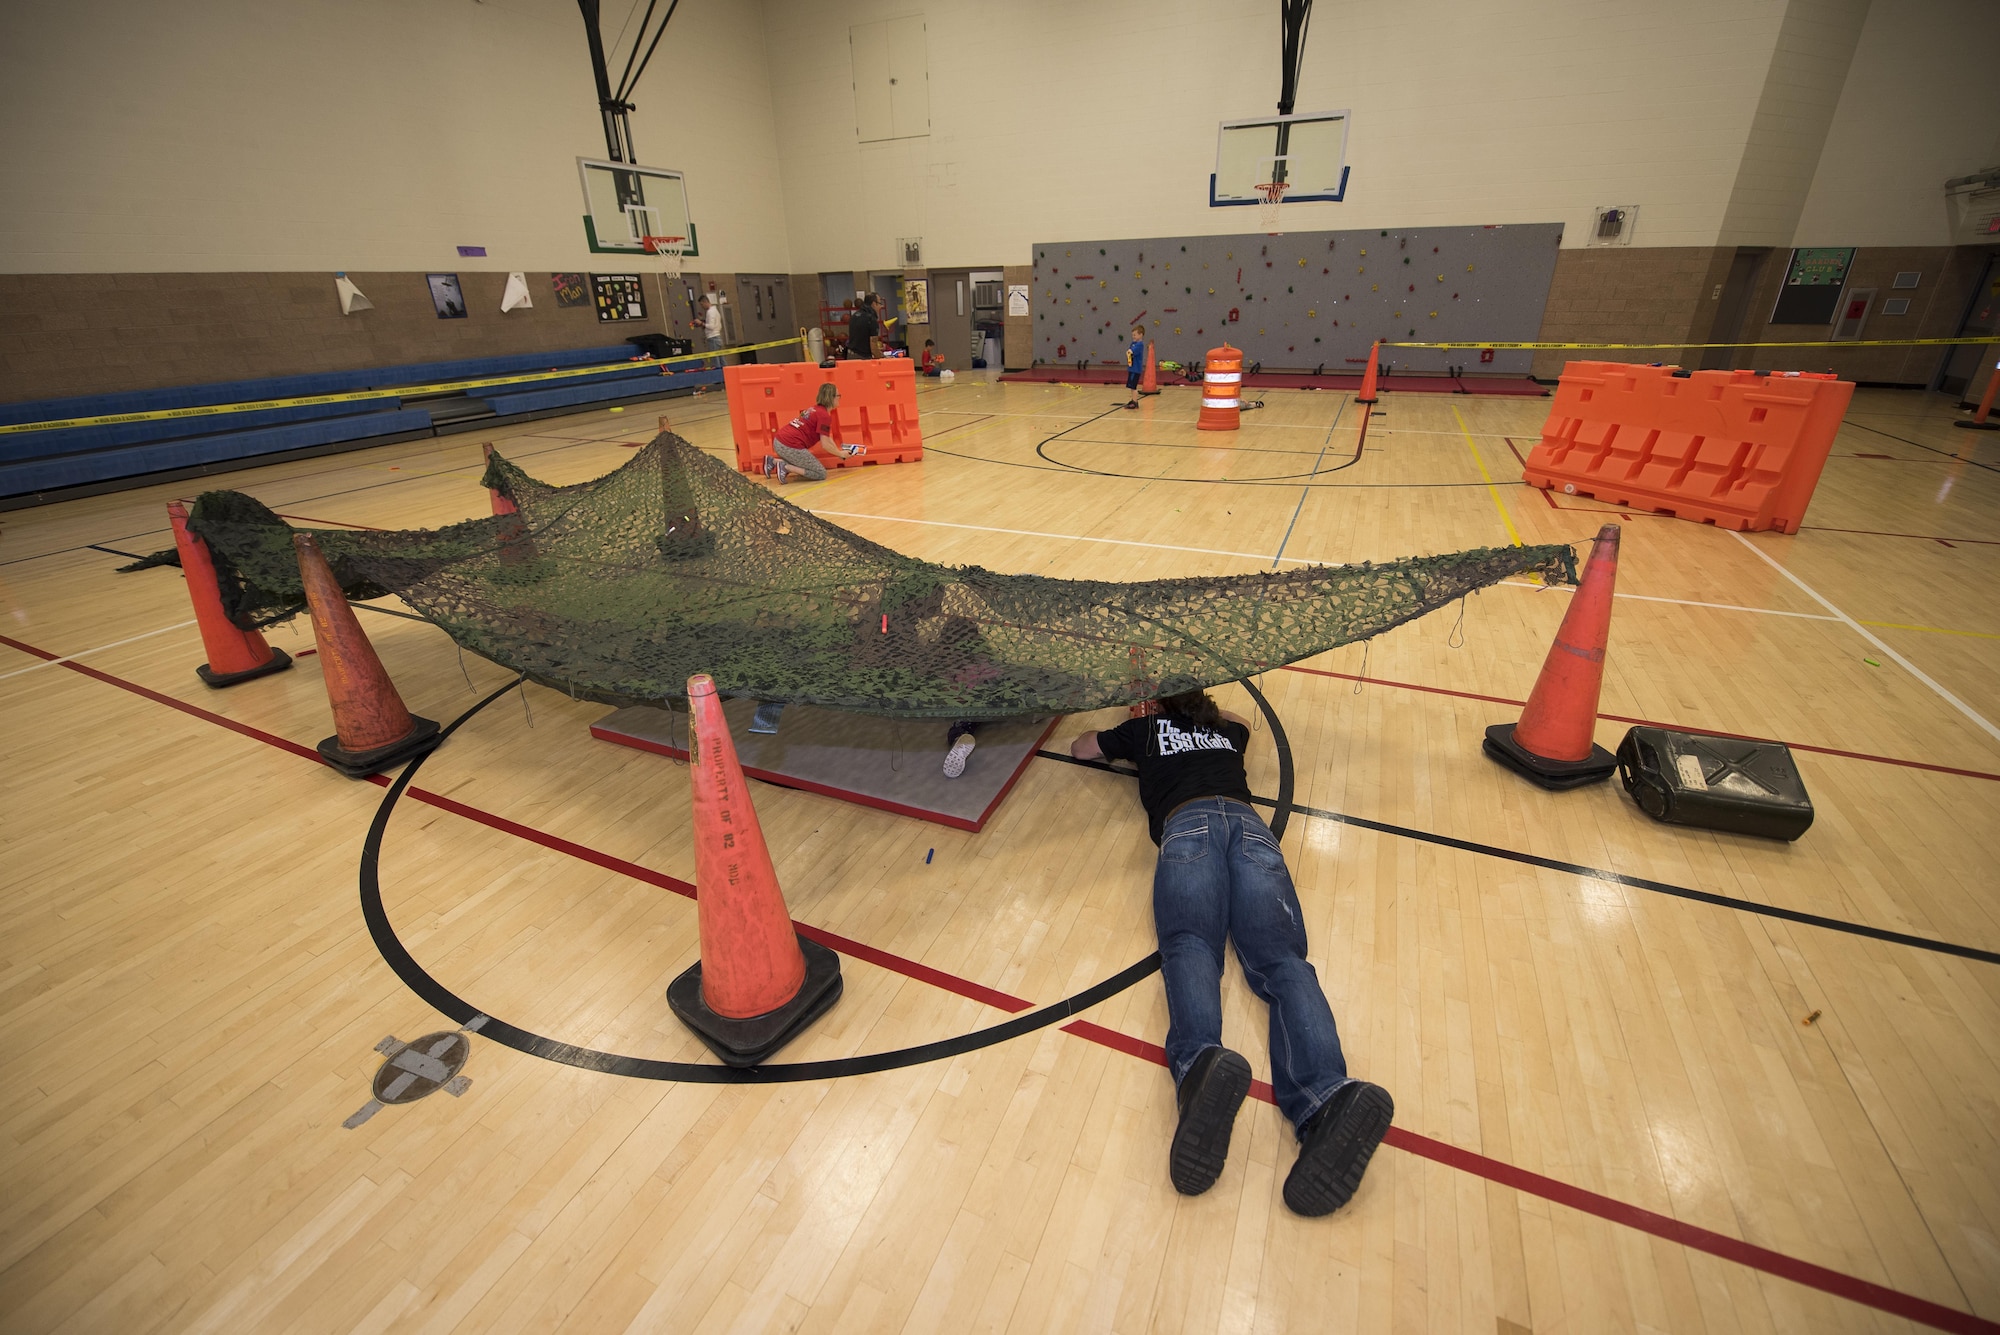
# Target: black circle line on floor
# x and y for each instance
(1600, 874)
(461, 1011)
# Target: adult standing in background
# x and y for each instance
(711, 328)
(862, 328)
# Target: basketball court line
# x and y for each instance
(1491, 490)
(132, 639)
(1851, 1287)
(1655, 723)
(1863, 632)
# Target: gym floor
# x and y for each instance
(1618, 1107)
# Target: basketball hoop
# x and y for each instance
(669, 249)
(1273, 193)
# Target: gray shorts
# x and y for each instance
(803, 462)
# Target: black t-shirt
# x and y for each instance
(861, 326)
(1179, 760)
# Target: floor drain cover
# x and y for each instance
(415, 1069)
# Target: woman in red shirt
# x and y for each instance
(793, 442)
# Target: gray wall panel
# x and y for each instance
(1303, 300)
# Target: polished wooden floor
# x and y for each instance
(189, 999)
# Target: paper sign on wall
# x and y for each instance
(516, 293)
(1017, 298)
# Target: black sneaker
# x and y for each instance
(1335, 1146)
(1208, 1097)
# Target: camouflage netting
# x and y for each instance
(622, 588)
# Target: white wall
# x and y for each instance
(380, 134)
(1921, 105)
(1054, 120)
(275, 135)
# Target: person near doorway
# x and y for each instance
(863, 327)
(1221, 877)
(711, 330)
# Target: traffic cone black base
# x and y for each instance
(422, 737)
(749, 1042)
(1554, 775)
(278, 662)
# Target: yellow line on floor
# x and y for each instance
(1934, 630)
(1491, 490)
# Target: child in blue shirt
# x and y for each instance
(1135, 366)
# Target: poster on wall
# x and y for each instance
(1813, 282)
(1017, 299)
(571, 289)
(620, 296)
(916, 301)
(446, 296)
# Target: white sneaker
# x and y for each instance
(954, 759)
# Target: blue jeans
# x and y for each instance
(714, 345)
(1221, 875)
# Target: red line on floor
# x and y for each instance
(1851, 1287)
(1656, 723)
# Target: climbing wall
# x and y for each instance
(1302, 301)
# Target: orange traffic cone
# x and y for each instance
(517, 545)
(501, 505)
(371, 728)
(666, 423)
(1367, 394)
(758, 982)
(1552, 744)
(1150, 382)
(1978, 420)
(234, 654)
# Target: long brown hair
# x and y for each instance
(1194, 706)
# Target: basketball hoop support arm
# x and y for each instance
(1293, 17)
(615, 105)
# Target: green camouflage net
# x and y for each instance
(622, 588)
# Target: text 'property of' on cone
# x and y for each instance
(759, 983)
(372, 729)
(1554, 743)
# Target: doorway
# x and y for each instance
(1732, 306)
(1982, 316)
(951, 318)
(764, 312)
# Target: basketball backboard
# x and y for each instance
(1306, 152)
(625, 203)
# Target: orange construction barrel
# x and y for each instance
(1221, 390)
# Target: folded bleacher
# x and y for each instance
(139, 435)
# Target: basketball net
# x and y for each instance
(670, 249)
(1274, 197)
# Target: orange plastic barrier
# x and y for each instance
(1737, 449)
(878, 409)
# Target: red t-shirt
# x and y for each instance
(932, 359)
(803, 432)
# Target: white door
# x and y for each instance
(892, 97)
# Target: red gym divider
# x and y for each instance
(878, 409)
(1738, 449)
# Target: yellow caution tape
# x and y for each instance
(390, 392)
(1812, 343)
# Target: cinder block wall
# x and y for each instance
(65, 334)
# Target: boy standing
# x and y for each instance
(1222, 876)
(1135, 366)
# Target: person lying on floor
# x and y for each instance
(1221, 876)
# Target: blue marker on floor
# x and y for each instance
(927, 857)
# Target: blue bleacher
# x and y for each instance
(72, 470)
(530, 400)
(36, 462)
(300, 386)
